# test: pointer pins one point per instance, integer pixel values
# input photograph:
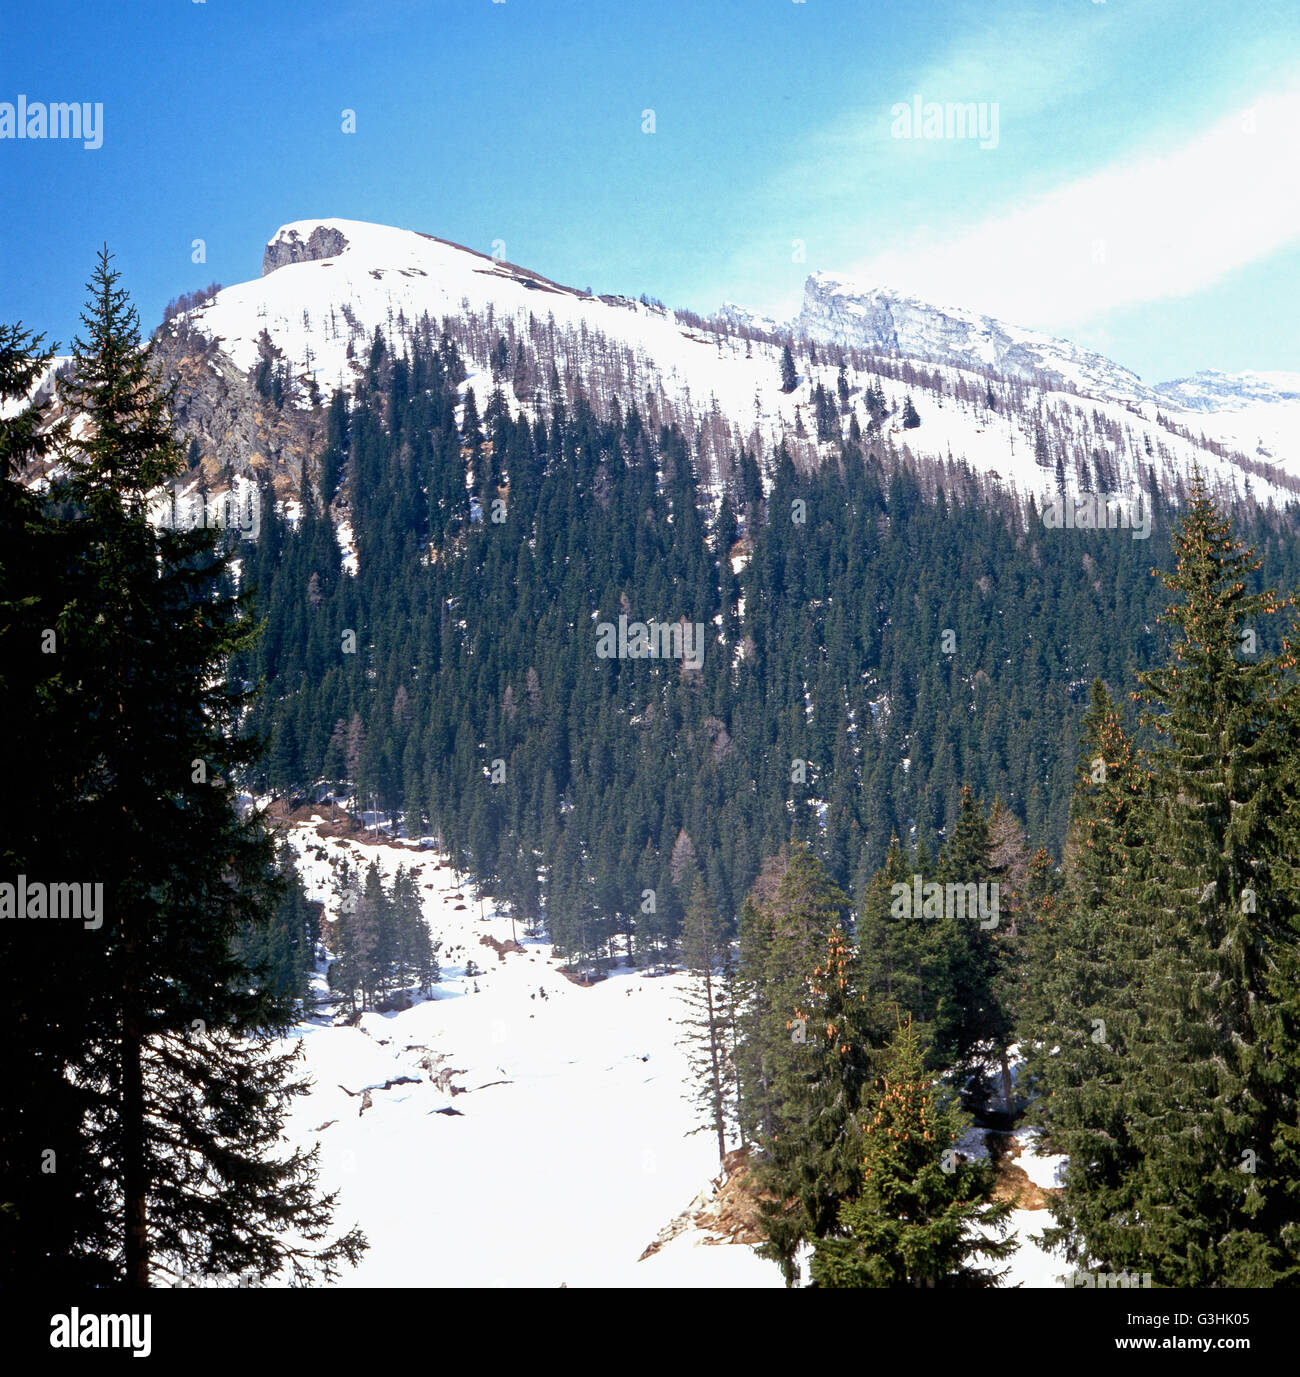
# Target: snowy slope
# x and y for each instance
(41, 388)
(568, 1148)
(567, 1152)
(1214, 391)
(328, 285)
(1255, 412)
(388, 278)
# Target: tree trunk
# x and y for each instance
(134, 1185)
(718, 1119)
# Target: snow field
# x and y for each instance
(568, 1150)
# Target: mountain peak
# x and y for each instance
(1212, 390)
(837, 310)
(301, 242)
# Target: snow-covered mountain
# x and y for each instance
(1059, 414)
(1254, 413)
(838, 311)
(1214, 391)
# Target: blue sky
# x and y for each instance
(1143, 196)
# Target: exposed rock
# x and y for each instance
(364, 1092)
(502, 949)
(1013, 1182)
(443, 1079)
(728, 1210)
(288, 246)
(238, 430)
(838, 311)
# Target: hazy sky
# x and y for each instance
(1141, 196)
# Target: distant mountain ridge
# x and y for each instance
(836, 310)
(1211, 390)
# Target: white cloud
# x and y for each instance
(1157, 226)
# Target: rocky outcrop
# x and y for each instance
(728, 1210)
(838, 311)
(288, 246)
(238, 430)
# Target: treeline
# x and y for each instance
(872, 641)
(1151, 980)
(150, 946)
(190, 301)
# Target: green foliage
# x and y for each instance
(805, 1057)
(1181, 885)
(282, 950)
(789, 376)
(921, 1218)
(380, 941)
(167, 1138)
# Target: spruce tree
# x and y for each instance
(789, 376)
(921, 1218)
(182, 1144)
(808, 1033)
(52, 1198)
(1217, 1099)
(1080, 1008)
(971, 1021)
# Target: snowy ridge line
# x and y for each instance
(321, 307)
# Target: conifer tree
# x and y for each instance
(789, 376)
(808, 1032)
(971, 1020)
(282, 951)
(707, 956)
(921, 1218)
(181, 1146)
(416, 957)
(754, 936)
(51, 1221)
(1080, 1008)
(894, 957)
(1216, 1085)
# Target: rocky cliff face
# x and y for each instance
(238, 430)
(325, 241)
(838, 311)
